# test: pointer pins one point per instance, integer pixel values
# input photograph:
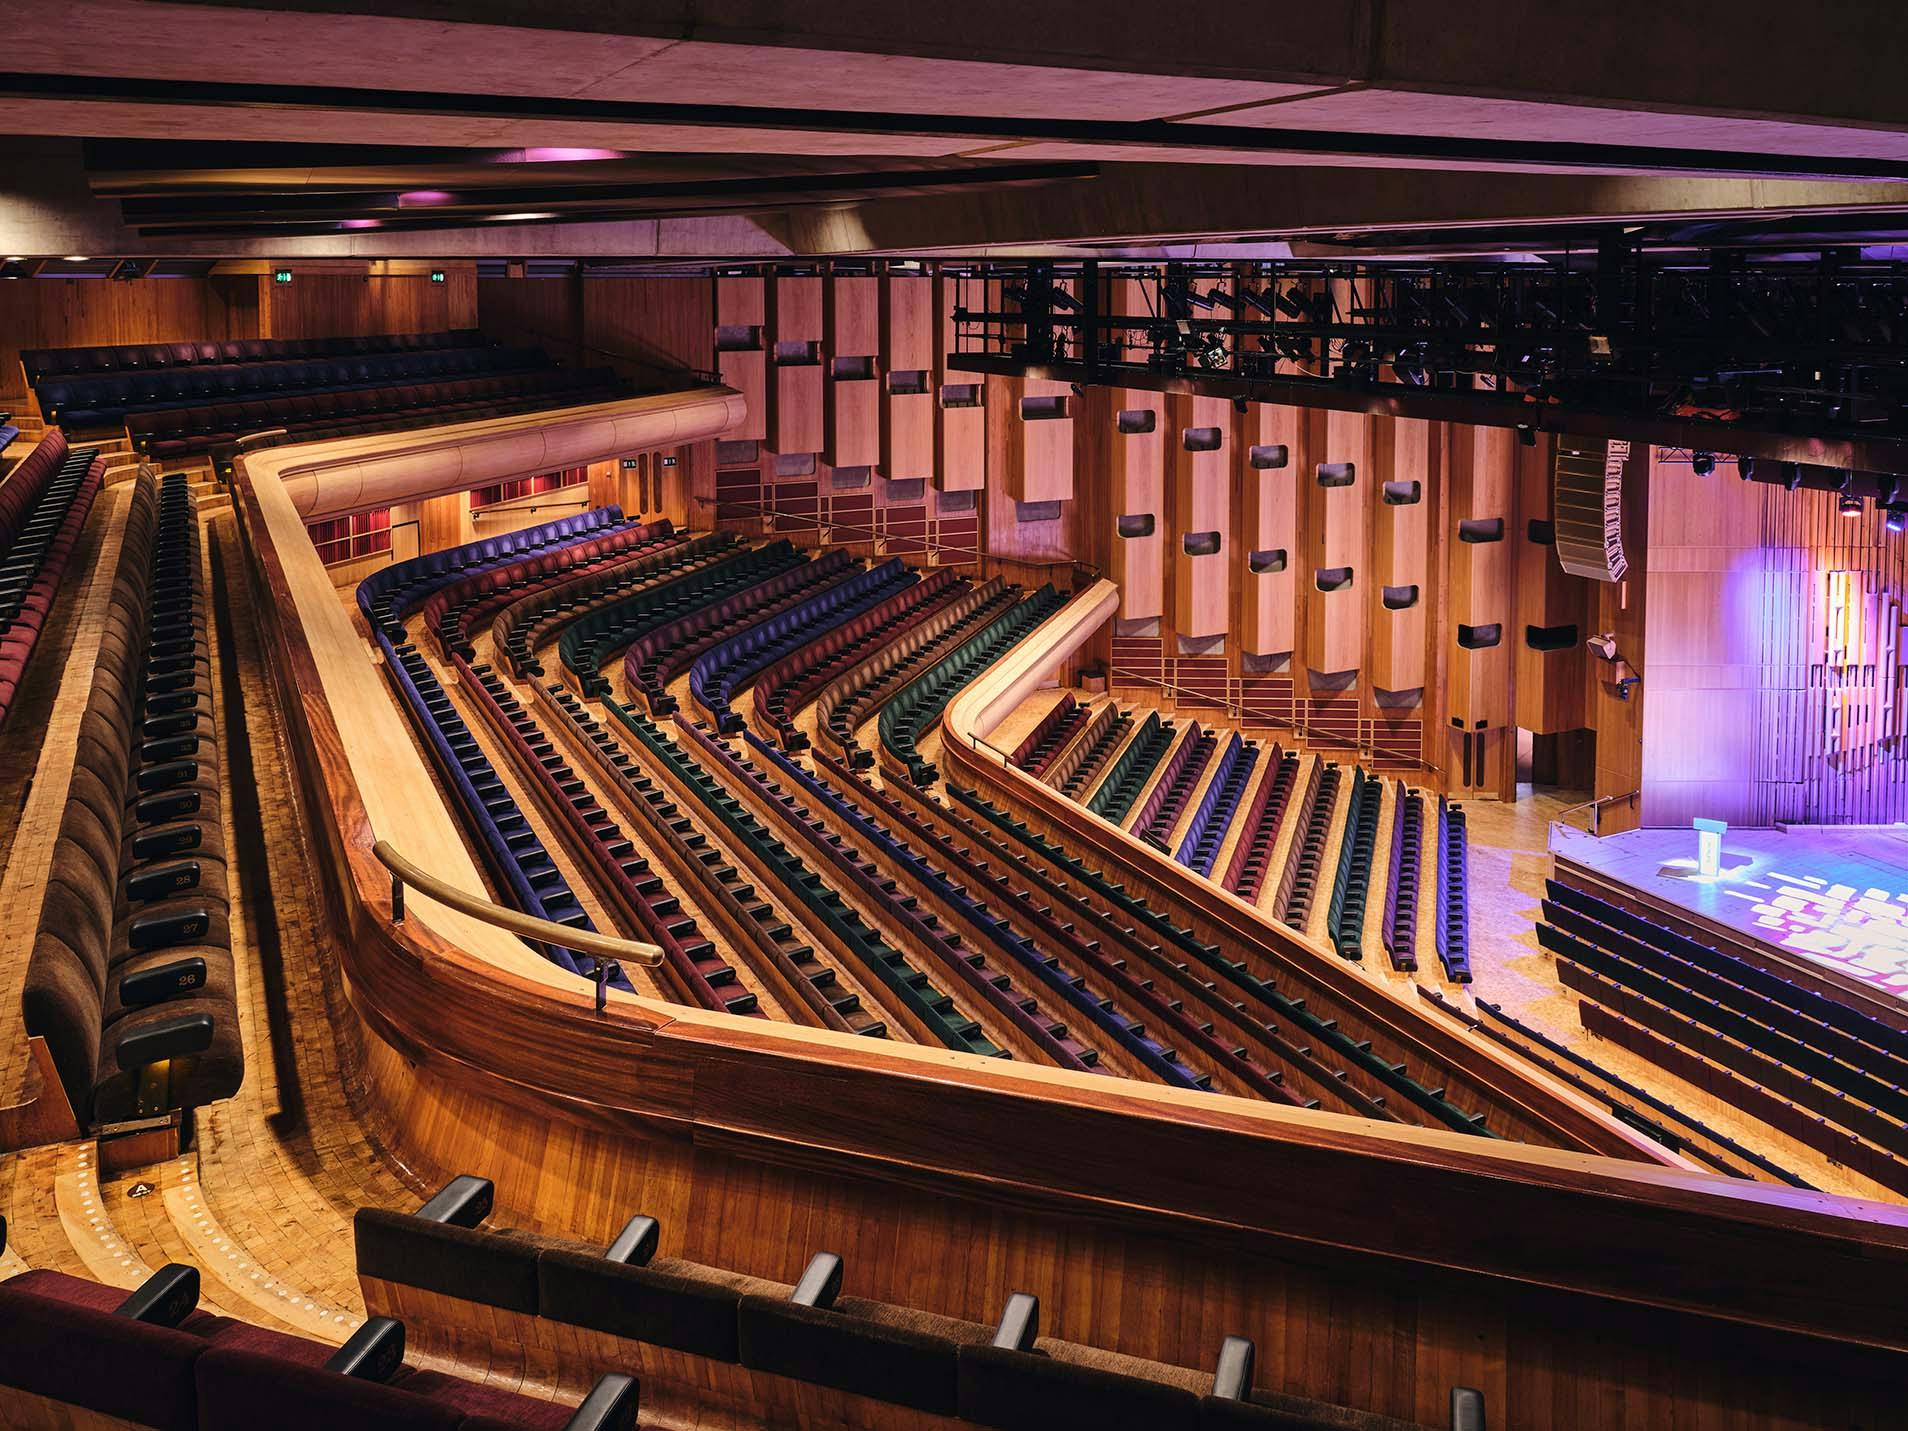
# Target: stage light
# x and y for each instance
(1062, 299)
(1077, 389)
(1223, 299)
(1895, 520)
(1256, 301)
(1526, 435)
(1702, 463)
(1849, 506)
(1745, 468)
(1289, 306)
(1241, 406)
(1213, 355)
(1015, 293)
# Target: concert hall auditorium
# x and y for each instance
(1055, 716)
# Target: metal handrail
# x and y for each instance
(543, 931)
(1595, 807)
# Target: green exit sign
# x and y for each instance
(437, 275)
(281, 275)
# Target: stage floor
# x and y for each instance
(1835, 897)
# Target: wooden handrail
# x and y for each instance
(543, 931)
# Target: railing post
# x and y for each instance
(397, 898)
(604, 968)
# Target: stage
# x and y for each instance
(1832, 901)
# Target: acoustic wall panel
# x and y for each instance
(795, 363)
(1335, 529)
(1135, 445)
(851, 398)
(1483, 478)
(1554, 609)
(907, 376)
(740, 315)
(960, 417)
(1398, 595)
(1201, 442)
(1040, 441)
(1267, 463)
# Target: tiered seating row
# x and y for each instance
(387, 594)
(627, 1299)
(44, 503)
(1253, 854)
(1400, 927)
(452, 612)
(1454, 900)
(130, 357)
(723, 669)
(1293, 903)
(153, 1359)
(524, 625)
(94, 399)
(1032, 1010)
(927, 1007)
(1316, 1030)
(1345, 915)
(847, 701)
(130, 980)
(1213, 818)
(1074, 766)
(788, 685)
(917, 709)
(1166, 802)
(1038, 739)
(1113, 799)
(179, 432)
(592, 638)
(1695, 1137)
(665, 651)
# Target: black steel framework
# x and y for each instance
(1797, 359)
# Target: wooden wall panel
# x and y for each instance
(82, 312)
(907, 376)
(1201, 443)
(851, 395)
(325, 305)
(1552, 688)
(1269, 463)
(741, 315)
(960, 419)
(1398, 597)
(1135, 474)
(1335, 539)
(1483, 480)
(795, 367)
(1039, 454)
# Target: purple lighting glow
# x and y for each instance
(417, 197)
(558, 156)
(360, 223)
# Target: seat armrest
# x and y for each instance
(374, 1352)
(610, 1406)
(174, 1038)
(164, 1299)
(167, 981)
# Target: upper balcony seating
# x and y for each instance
(1293, 903)
(847, 700)
(1400, 928)
(593, 637)
(788, 685)
(44, 504)
(1075, 768)
(1345, 915)
(1454, 907)
(917, 709)
(1056, 715)
(1213, 818)
(719, 672)
(1114, 798)
(526, 623)
(444, 1272)
(153, 1359)
(1245, 875)
(90, 401)
(665, 651)
(1166, 801)
(9, 433)
(183, 431)
(42, 363)
(131, 969)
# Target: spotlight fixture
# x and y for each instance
(1213, 355)
(1895, 519)
(1241, 406)
(1060, 298)
(1849, 506)
(1289, 306)
(1702, 463)
(1224, 299)
(1258, 302)
(1526, 434)
(1078, 390)
(1015, 293)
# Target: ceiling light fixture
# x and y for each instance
(520, 218)
(1702, 463)
(77, 258)
(1896, 520)
(1849, 506)
(360, 223)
